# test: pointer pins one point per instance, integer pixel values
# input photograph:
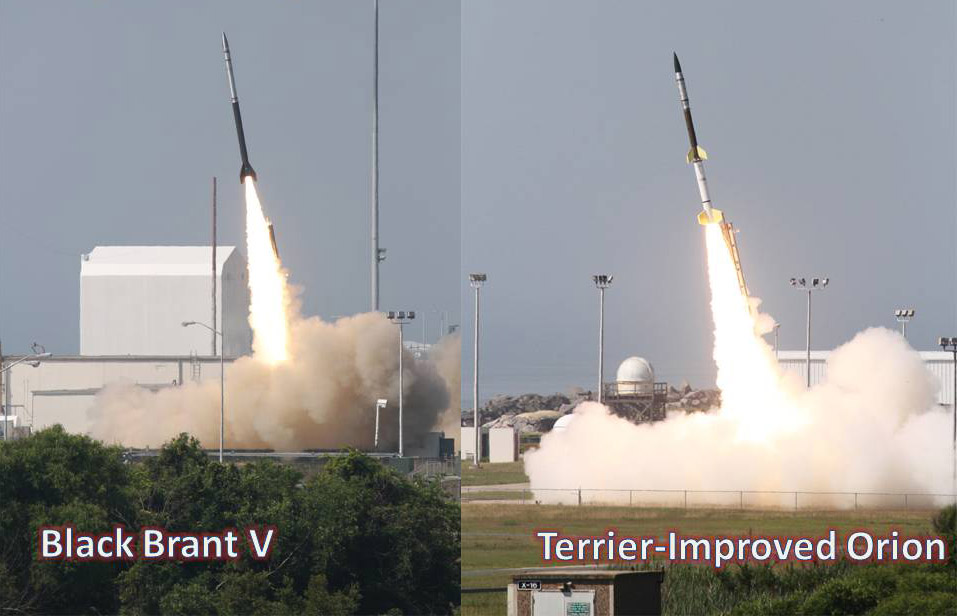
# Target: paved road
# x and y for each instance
(524, 570)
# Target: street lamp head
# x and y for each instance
(401, 315)
(946, 342)
(794, 282)
(477, 280)
(802, 282)
(824, 281)
(381, 403)
(188, 323)
(602, 281)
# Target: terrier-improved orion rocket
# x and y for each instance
(696, 156)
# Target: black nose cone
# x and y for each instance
(677, 64)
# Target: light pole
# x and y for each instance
(817, 284)
(950, 344)
(602, 281)
(379, 405)
(777, 327)
(34, 360)
(904, 315)
(400, 318)
(222, 381)
(476, 281)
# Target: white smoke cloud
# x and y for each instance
(871, 426)
(323, 396)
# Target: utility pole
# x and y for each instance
(401, 318)
(904, 315)
(213, 334)
(476, 281)
(801, 284)
(378, 254)
(602, 281)
(950, 344)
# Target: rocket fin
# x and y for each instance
(702, 155)
(716, 217)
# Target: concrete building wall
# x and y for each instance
(133, 300)
(468, 442)
(61, 390)
(940, 363)
(502, 445)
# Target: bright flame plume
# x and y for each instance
(748, 375)
(870, 428)
(269, 296)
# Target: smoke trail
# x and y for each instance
(309, 383)
(323, 396)
(447, 355)
(871, 426)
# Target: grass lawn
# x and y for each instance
(496, 536)
(493, 474)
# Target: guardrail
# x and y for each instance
(733, 499)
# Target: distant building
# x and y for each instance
(635, 395)
(134, 299)
(940, 363)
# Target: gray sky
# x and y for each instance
(115, 116)
(830, 130)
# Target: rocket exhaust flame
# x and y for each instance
(748, 376)
(872, 426)
(269, 296)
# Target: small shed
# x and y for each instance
(584, 591)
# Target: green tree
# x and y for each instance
(56, 478)
(356, 538)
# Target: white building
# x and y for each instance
(635, 376)
(940, 363)
(134, 299)
(61, 389)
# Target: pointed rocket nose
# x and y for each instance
(677, 64)
(226, 43)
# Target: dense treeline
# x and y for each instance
(358, 538)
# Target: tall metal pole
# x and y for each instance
(601, 343)
(222, 389)
(475, 384)
(3, 386)
(401, 348)
(808, 358)
(777, 326)
(213, 341)
(376, 254)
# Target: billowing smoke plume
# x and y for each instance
(323, 396)
(871, 426)
(447, 355)
(308, 385)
